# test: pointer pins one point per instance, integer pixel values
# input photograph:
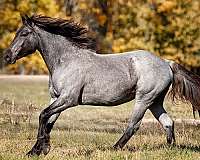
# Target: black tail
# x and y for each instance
(185, 86)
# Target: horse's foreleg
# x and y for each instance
(135, 121)
(46, 145)
(46, 120)
(43, 139)
(161, 115)
(50, 123)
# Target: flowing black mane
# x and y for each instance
(73, 31)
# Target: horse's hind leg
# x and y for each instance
(135, 121)
(161, 115)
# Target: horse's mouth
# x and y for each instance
(11, 57)
(9, 60)
(13, 61)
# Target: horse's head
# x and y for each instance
(24, 43)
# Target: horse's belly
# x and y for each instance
(107, 96)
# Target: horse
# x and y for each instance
(80, 76)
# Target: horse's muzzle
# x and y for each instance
(8, 57)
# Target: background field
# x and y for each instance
(167, 28)
(87, 132)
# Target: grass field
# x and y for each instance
(87, 132)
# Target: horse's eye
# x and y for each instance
(24, 33)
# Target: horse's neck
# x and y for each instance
(56, 50)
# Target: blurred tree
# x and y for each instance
(70, 7)
(176, 30)
(168, 28)
(97, 14)
(10, 21)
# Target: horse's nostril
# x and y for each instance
(7, 58)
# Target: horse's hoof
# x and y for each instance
(170, 135)
(169, 139)
(46, 149)
(33, 152)
(116, 147)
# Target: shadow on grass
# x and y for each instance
(190, 147)
(87, 152)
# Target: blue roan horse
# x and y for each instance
(79, 76)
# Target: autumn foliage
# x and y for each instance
(168, 28)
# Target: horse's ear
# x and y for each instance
(26, 20)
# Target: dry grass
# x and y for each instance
(86, 132)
